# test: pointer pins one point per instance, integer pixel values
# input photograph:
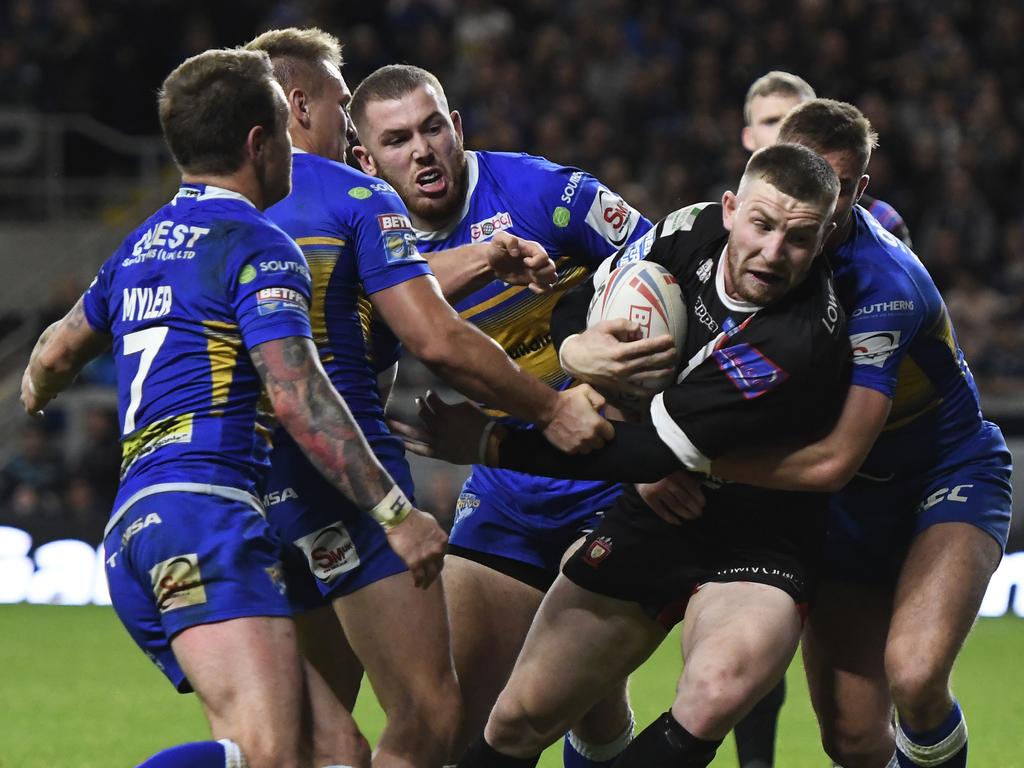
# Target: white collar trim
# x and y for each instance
(730, 303)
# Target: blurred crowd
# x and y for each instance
(645, 95)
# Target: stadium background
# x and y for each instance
(647, 96)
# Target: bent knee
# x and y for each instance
(915, 680)
(515, 726)
(712, 700)
(854, 743)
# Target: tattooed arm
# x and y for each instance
(61, 352)
(307, 405)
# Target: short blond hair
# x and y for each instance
(775, 82)
(297, 55)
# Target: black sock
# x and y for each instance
(666, 744)
(483, 755)
(755, 733)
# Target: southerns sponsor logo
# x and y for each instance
(570, 188)
(561, 216)
(484, 229)
(751, 372)
(382, 186)
(166, 241)
(270, 300)
(329, 552)
(146, 303)
(638, 249)
(896, 307)
(276, 497)
(611, 217)
(398, 237)
(178, 583)
(874, 347)
(274, 265)
(359, 193)
(247, 275)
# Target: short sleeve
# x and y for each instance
(882, 326)
(385, 244)
(95, 301)
(270, 288)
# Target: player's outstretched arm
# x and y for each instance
(825, 465)
(515, 260)
(614, 355)
(475, 365)
(60, 353)
(308, 406)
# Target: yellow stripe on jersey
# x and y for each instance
(320, 241)
(914, 395)
(173, 429)
(321, 267)
(223, 343)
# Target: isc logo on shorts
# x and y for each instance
(177, 583)
(329, 552)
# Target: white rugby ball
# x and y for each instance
(647, 294)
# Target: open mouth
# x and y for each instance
(766, 278)
(431, 182)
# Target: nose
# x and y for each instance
(771, 251)
(421, 149)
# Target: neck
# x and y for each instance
(240, 182)
(840, 236)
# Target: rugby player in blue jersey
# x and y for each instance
(511, 529)
(922, 509)
(204, 305)
(361, 250)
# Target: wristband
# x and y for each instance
(392, 509)
(561, 360)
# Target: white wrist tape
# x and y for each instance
(392, 509)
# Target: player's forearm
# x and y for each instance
(61, 352)
(461, 270)
(307, 405)
(636, 455)
(472, 363)
(816, 467)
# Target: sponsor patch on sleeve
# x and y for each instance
(397, 235)
(270, 300)
(874, 347)
(751, 372)
(178, 583)
(611, 217)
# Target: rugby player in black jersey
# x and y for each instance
(765, 355)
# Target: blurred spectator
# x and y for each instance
(37, 465)
(99, 462)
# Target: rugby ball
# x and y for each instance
(647, 294)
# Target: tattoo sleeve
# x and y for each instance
(307, 405)
(62, 351)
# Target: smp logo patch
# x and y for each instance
(874, 347)
(397, 236)
(178, 583)
(751, 372)
(329, 552)
(270, 300)
(611, 217)
(484, 229)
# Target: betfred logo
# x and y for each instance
(612, 217)
(641, 315)
(329, 552)
(484, 229)
(177, 583)
(390, 222)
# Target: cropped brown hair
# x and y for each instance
(796, 171)
(209, 104)
(825, 126)
(297, 55)
(391, 82)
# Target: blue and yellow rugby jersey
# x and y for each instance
(203, 280)
(580, 222)
(577, 220)
(356, 236)
(904, 346)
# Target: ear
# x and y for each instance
(255, 143)
(457, 122)
(861, 186)
(365, 160)
(729, 206)
(298, 107)
(747, 138)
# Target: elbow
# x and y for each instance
(832, 475)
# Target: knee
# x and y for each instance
(427, 723)
(856, 744)
(515, 728)
(711, 700)
(916, 682)
(268, 750)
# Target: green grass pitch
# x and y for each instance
(76, 693)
